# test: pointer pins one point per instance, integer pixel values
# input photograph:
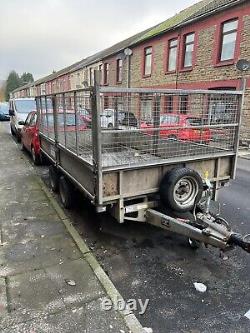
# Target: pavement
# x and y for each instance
(49, 280)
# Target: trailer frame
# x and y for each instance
(125, 189)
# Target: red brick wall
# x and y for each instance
(206, 72)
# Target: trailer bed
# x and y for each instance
(118, 162)
(124, 154)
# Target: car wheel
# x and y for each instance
(12, 131)
(194, 244)
(35, 158)
(22, 145)
(180, 189)
(172, 137)
(18, 137)
(110, 125)
(53, 178)
(66, 192)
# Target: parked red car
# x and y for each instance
(30, 137)
(30, 131)
(179, 127)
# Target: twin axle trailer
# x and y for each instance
(146, 155)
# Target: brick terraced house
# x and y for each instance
(198, 48)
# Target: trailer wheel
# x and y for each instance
(66, 192)
(180, 189)
(194, 244)
(53, 178)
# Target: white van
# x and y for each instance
(107, 118)
(124, 118)
(19, 108)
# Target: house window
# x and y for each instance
(222, 111)
(106, 102)
(228, 40)
(78, 80)
(91, 76)
(172, 54)
(169, 103)
(146, 109)
(101, 74)
(148, 61)
(119, 70)
(183, 104)
(106, 73)
(188, 50)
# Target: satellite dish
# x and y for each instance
(128, 52)
(243, 65)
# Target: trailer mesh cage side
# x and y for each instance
(122, 128)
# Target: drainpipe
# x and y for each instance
(179, 51)
(129, 69)
(128, 52)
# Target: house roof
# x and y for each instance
(186, 16)
(195, 12)
(27, 85)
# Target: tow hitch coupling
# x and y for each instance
(239, 240)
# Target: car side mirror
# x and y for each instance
(21, 122)
(11, 113)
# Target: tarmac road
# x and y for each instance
(148, 263)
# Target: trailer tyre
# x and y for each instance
(180, 189)
(66, 192)
(53, 178)
(194, 244)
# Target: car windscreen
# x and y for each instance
(194, 121)
(25, 106)
(169, 120)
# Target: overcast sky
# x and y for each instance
(40, 36)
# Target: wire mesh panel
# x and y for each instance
(84, 124)
(44, 105)
(139, 127)
(71, 119)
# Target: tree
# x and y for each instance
(2, 93)
(26, 78)
(13, 82)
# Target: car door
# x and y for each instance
(11, 113)
(31, 130)
(25, 131)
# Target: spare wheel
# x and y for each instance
(180, 189)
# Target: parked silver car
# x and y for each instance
(19, 108)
